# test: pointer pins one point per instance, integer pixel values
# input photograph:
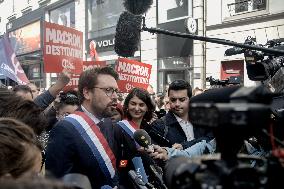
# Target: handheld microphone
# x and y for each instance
(137, 7)
(139, 169)
(127, 36)
(160, 138)
(143, 139)
(137, 181)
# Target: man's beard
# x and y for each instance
(107, 112)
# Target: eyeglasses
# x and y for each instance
(109, 91)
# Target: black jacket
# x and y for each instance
(128, 150)
(67, 152)
(174, 133)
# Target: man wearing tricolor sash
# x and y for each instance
(86, 142)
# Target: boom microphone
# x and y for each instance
(127, 36)
(137, 7)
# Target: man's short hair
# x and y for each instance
(88, 79)
(180, 85)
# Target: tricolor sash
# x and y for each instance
(96, 141)
(130, 128)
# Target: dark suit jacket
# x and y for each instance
(67, 152)
(175, 133)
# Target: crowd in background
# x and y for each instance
(56, 133)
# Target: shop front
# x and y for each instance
(25, 37)
(26, 33)
(174, 54)
(102, 19)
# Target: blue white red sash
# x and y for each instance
(95, 140)
(129, 128)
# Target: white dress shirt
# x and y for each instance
(94, 118)
(186, 127)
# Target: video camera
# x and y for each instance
(234, 114)
(232, 80)
(260, 66)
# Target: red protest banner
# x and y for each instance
(93, 64)
(74, 81)
(63, 48)
(132, 74)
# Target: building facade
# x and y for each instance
(235, 20)
(171, 57)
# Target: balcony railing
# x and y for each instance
(244, 6)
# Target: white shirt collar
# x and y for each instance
(180, 120)
(94, 118)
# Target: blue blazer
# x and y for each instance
(67, 152)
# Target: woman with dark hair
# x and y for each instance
(138, 108)
(68, 104)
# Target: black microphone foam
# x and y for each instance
(137, 7)
(127, 36)
(142, 138)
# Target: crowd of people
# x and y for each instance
(89, 131)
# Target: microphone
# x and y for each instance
(137, 7)
(143, 139)
(127, 36)
(160, 138)
(137, 181)
(234, 51)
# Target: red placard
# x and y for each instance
(63, 48)
(132, 74)
(93, 64)
(74, 81)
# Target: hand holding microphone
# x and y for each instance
(144, 140)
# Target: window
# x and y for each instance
(26, 39)
(104, 14)
(243, 6)
(169, 10)
(64, 15)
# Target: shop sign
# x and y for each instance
(63, 48)
(132, 74)
(104, 43)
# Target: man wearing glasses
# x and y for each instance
(84, 142)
